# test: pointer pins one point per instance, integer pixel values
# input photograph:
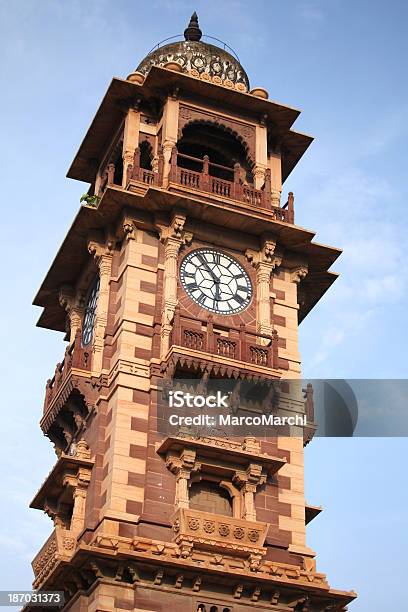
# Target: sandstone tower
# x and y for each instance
(185, 164)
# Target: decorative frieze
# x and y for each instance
(196, 529)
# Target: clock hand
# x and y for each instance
(207, 267)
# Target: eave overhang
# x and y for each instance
(311, 512)
(208, 448)
(52, 485)
(115, 550)
(248, 223)
(159, 83)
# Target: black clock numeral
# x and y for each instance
(192, 286)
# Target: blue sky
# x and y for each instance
(343, 62)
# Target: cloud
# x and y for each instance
(358, 210)
(311, 18)
(344, 325)
(312, 13)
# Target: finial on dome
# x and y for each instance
(193, 32)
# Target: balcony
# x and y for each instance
(229, 344)
(59, 547)
(76, 358)
(206, 180)
(69, 395)
(197, 529)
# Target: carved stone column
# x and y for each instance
(259, 175)
(275, 164)
(249, 491)
(130, 140)
(78, 512)
(182, 466)
(102, 250)
(73, 303)
(79, 484)
(173, 237)
(170, 131)
(264, 261)
(261, 157)
(297, 274)
(248, 483)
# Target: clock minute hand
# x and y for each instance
(207, 267)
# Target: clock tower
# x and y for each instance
(183, 262)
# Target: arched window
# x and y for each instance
(208, 496)
(223, 149)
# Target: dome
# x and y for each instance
(200, 59)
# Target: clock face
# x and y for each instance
(216, 281)
(90, 313)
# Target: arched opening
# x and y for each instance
(208, 496)
(223, 149)
(146, 155)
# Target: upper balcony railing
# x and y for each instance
(204, 180)
(226, 342)
(76, 356)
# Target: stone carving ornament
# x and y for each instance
(209, 526)
(199, 59)
(224, 530)
(194, 524)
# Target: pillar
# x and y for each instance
(261, 155)
(275, 164)
(264, 261)
(102, 250)
(173, 238)
(130, 140)
(169, 133)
